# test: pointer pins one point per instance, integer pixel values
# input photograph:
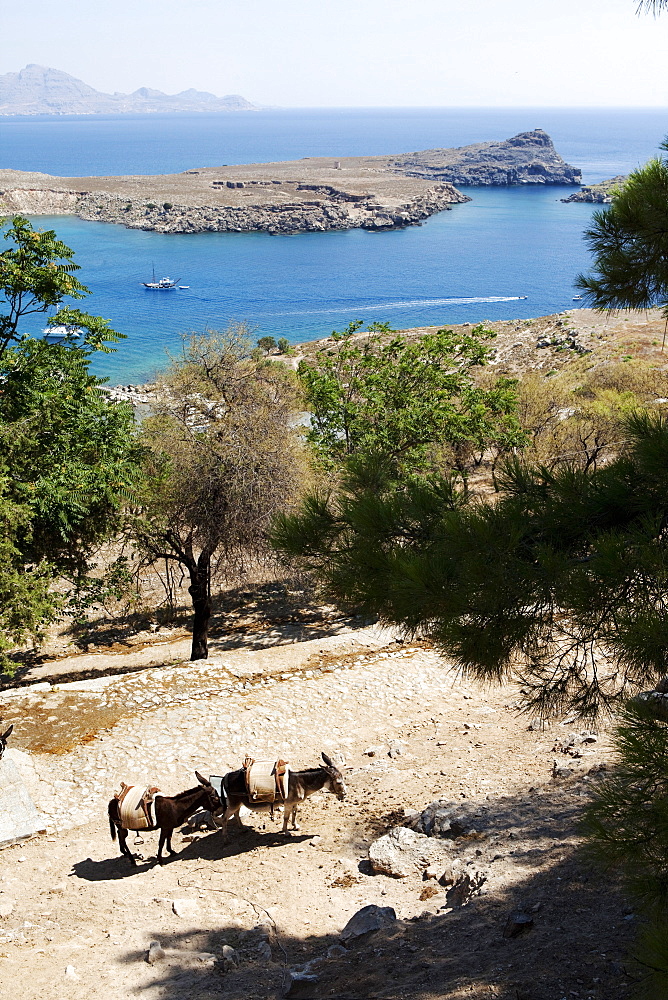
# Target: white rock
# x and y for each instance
(71, 973)
(403, 852)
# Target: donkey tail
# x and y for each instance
(113, 815)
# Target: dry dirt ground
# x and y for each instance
(78, 920)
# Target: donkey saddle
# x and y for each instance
(267, 780)
(136, 806)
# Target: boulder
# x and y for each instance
(18, 816)
(403, 852)
(365, 921)
(442, 819)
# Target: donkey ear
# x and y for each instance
(202, 780)
(8, 733)
(328, 760)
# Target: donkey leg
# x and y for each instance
(168, 838)
(161, 842)
(289, 810)
(295, 824)
(122, 843)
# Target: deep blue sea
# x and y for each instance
(469, 264)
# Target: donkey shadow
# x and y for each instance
(209, 847)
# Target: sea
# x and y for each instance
(511, 252)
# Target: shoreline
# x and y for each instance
(541, 344)
(314, 194)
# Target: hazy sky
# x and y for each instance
(352, 52)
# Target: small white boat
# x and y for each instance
(184, 286)
(577, 298)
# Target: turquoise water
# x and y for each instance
(469, 264)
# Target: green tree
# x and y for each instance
(68, 456)
(403, 399)
(73, 455)
(267, 344)
(224, 459)
(561, 582)
(629, 241)
(36, 274)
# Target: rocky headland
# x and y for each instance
(312, 194)
(598, 194)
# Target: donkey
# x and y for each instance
(3, 740)
(170, 812)
(301, 784)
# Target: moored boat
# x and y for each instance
(162, 284)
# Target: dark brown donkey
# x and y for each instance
(3, 740)
(170, 812)
(301, 784)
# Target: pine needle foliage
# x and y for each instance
(627, 830)
(629, 242)
(561, 582)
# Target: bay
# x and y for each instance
(475, 262)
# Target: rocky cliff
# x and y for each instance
(527, 158)
(284, 217)
(40, 90)
(598, 194)
(312, 194)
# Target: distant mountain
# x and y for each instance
(39, 90)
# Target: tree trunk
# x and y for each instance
(200, 592)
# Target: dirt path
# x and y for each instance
(76, 921)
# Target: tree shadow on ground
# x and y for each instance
(581, 927)
(265, 608)
(269, 615)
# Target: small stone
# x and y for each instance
(263, 951)
(229, 955)
(561, 772)
(6, 907)
(336, 951)
(517, 923)
(71, 973)
(155, 953)
(369, 918)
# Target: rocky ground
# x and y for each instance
(262, 915)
